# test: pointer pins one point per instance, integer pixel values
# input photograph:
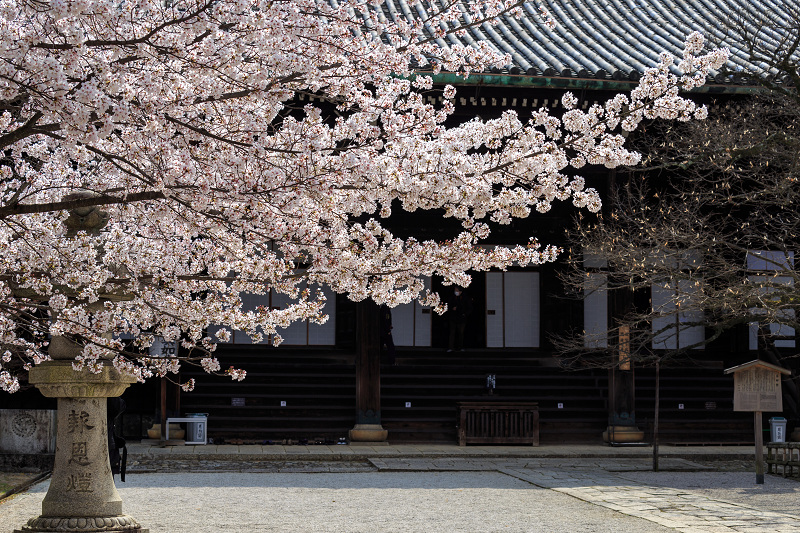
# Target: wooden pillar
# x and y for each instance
(163, 407)
(368, 426)
(622, 418)
(622, 409)
(757, 423)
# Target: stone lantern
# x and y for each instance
(82, 495)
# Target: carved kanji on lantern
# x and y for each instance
(78, 422)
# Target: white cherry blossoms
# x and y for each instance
(240, 148)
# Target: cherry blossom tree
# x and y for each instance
(699, 247)
(242, 146)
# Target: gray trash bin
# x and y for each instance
(777, 427)
(196, 431)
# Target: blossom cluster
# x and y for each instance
(204, 133)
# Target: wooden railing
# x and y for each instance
(783, 458)
(498, 423)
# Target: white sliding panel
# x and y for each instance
(403, 324)
(412, 323)
(251, 302)
(521, 309)
(512, 309)
(324, 334)
(422, 321)
(665, 298)
(494, 310)
(297, 332)
(595, 310)
(770, 264)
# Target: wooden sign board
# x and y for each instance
(757, 387)
(162, 348)
(624, 348)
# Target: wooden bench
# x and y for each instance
(783, 455)
(498, 423)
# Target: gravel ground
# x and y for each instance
(379, 502)
(351, 496)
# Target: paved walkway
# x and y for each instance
(687, 510)
(624, 485)
(689, 495)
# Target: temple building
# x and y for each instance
(325, 380)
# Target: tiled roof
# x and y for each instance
(615, 38)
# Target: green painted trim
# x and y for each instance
(512, 80)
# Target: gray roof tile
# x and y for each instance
(616, 36)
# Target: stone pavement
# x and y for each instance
(689, 495)
(603, 482)
(683, 510)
